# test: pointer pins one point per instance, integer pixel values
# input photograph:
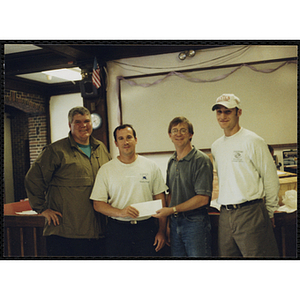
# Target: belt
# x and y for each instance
(131, 222)
(236, 206)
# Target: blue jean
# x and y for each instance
(190, 234)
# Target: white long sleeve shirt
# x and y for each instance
(246, 170)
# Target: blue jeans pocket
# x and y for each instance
(195, 218)
(190, 235)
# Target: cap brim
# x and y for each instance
(219, 104)
(224, 104)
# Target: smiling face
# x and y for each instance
(180, 135)
(228, 119)
(81, 128)
(126, 142)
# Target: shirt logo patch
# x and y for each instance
(237, 156)
(144, 178)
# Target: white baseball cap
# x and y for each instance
(227, 100)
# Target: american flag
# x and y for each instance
(96, 74)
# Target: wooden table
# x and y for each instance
(23, 234)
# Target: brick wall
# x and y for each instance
(27, 102)
(28, 134)
(37, 135)
(20, 152)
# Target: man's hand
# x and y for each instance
(168, 234)
(129, 211)
(50, 214)
(107, 210)
(163, 212)
(160, 240)
(273, 222)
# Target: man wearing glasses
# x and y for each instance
(189, 178)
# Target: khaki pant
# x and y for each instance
(246, 232)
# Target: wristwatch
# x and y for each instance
(175, 212)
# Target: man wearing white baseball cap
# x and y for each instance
(248, 186)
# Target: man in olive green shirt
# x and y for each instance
(59, 184)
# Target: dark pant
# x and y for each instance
(125, 239)
(246, 232)
(58, 246)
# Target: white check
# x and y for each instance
(148, 208)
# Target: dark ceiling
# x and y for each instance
(56, 55)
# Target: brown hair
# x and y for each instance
(179, 120)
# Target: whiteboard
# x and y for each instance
(268, 102)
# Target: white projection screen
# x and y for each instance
(268, 101)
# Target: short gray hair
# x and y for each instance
(77, 110)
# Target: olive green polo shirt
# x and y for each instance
(190, 176)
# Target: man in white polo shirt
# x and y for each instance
(127, 180)
(248, 186)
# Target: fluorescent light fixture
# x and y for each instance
(67, 74)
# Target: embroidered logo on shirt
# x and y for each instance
(237, 156)
(144, 178)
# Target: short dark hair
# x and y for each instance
(77, 110)
(123, 127)
(236, 108)
(179, 120)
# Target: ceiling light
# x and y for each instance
(67, 74)
(182, 56)
(191, 53)
(185, 54)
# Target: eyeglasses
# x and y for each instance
(182, 131)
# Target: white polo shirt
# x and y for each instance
(121, 185)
